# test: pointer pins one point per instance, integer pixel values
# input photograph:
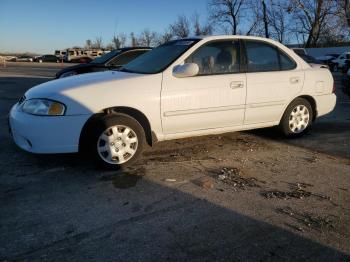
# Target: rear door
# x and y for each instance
(273, 79)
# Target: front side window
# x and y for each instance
(219, 57)
(264, 57)
(160, 58)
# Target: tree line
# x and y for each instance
(310, 23)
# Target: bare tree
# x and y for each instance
(312, 16)
(148, 38)
(265, 19)
(181, 27)
(279, 21)
(133, 40)
(227, 12)
(97, 42)
(344, 10)
(116, 42)
(119, 41)
(199, 29)
(165, 37)
(88, 44)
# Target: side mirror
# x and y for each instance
(186, 70)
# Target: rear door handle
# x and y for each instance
(294, 80)
(236, 85)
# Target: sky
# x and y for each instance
(42, 26)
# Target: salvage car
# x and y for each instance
(47, 58)
(184, 88)
(112, 60)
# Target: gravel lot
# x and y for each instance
(244, 196)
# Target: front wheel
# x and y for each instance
(116, 141)
(297, 118)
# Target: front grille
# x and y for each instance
(21, 100)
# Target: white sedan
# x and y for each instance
(184, 88)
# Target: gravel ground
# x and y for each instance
(243, 196)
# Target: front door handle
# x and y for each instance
(294, 80)
(236, 85)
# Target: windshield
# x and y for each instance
(105, 58)
(158, 59)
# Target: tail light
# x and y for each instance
(333, 91)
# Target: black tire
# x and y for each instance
(284, 124)
(103, 124)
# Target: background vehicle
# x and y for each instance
(184, 88)
(112, 60)
(47, 58)
(340, 61)
(82, 60)
(313, 61)
(327, 59)
(299, 51)
(24, 58)
(60, 53)
(346, 83)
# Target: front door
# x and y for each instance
(215, 98)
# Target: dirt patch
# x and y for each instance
(310, 220)
(247, 142)
(297, 190)
(236, 178)
(195, 152)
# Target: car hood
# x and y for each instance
(85, 93)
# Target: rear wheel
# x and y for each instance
(297, 118)
(116, 141)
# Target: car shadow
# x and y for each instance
(76, 215)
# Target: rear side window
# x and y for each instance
(263, 57)
(219, 57)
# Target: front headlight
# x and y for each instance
(43, 107)
(69, 73)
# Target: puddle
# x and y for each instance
(310, 220)
(125, 179)
(236, 178)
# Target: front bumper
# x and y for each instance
(46, 134)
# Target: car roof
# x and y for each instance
(218, 37)
(223, 37)
(134, 48)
